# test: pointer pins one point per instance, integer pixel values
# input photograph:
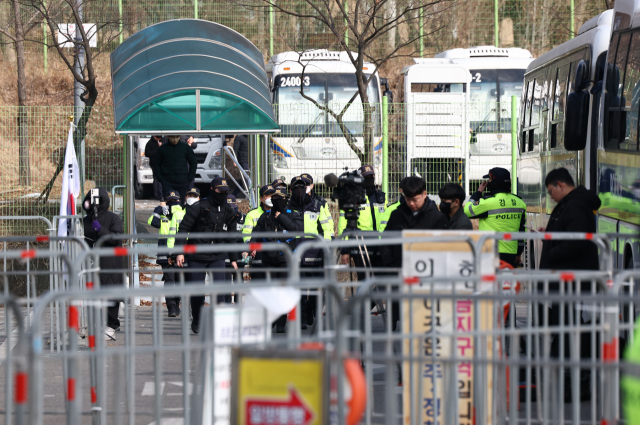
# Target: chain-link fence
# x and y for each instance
(33, 153)
(441, 142)
(537, 25)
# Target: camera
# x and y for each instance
(349, 191)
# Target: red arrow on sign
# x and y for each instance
(293, 411)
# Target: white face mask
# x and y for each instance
(268, 202)
(191, 200)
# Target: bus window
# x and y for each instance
(483, 85)
(614, 91)
(559, 96)
(437, 88)
(631, 96)
(537, 100)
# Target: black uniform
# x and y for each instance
(241, 148)
(289, 221)
(175, 167)
(574, 213)
(150, 150)
(207, 216)
(240, 216)
(110, 224)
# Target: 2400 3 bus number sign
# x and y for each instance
(294, 81)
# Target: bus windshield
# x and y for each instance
(298, 116)
(490, 88)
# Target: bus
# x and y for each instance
(436, 101)
(310, 140)
(579, 110)
(496, 75)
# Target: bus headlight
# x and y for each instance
(300, 153)
(215, 163)
(279, 161)
(143, 163)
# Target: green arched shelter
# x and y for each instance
(190, 76)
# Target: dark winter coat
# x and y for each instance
(459, 221)
(151, 148)
(111, 224)
(429, 217)
(574, 213)
(207, 217)
(241, 148)
(289, 221)
(174, 164)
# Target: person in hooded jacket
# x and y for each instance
(315, 217)
(211, 215)
(167, 217)
(95, 227)
(574, 212)
(150, 150)
(278, 219)
(415, 211)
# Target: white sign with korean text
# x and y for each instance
(227, 331)
(445, 259)
(448, 326)
(67, 33)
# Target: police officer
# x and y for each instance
(167, 217)
(369, 220)
(499, 211)
(240, 216)
(327, 225)
(315, 222)
(384, 220)
(278, 219)
(250, 222)
(209, 215)
(280, 184)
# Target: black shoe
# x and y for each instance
(280, 329)
(172, 311)
(177, 310)
(303, 326)
(195, 326)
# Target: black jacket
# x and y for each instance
(151, 148)
(459, 221)
(428, 217)
(241, 148)
(174, 164)
(574, 213)
(111, 224)
(289, 221)
(206, 217)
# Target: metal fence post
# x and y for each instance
(496, 18)
(514, 145)
(573, 10)
(121, 38)
(195, 9)
(421, 24)
(44, 45)
(270, 29)
(385, 143)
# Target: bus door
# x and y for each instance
(437, 126)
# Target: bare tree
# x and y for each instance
(17, 29)
(367, 24)
(70, 11)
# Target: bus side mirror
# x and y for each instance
(389, 95)
(577, 117)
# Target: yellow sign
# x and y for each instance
(279, 390)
